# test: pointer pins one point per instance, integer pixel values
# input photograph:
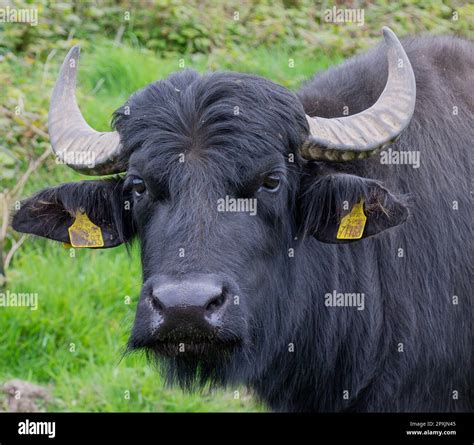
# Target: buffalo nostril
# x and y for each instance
(216, 302)
(157, 304)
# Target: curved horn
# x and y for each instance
(362, 135)
(73, 141)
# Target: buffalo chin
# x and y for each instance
(191, 364)
(194, 368)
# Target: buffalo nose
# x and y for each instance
(191, 303)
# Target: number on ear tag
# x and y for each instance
(353, 224)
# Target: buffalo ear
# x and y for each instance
(101, 204)
(333, 196)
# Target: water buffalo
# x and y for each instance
(348, 287)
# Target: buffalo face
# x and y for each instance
(210, 185)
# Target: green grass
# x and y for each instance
(82, 298)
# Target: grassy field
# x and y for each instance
(74, 342)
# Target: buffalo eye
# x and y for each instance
(138, 186)
(271, 183)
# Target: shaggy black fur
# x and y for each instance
(411, 348)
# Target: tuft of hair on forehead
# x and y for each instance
(222, 111)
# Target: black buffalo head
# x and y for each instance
(225, 174)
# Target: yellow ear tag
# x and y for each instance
(84, 233)
(353, 224)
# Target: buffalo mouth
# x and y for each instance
(190, 363)
(196, 346)
(193, 348)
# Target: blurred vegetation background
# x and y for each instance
(73, 343)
